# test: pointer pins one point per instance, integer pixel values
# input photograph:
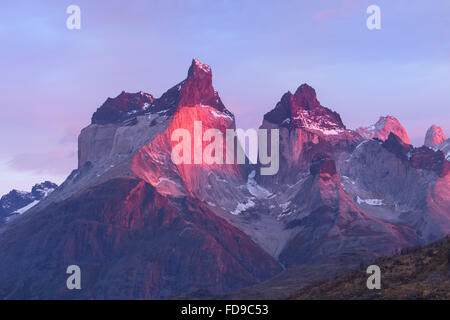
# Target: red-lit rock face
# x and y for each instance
(198, 88)
(194, 100)
(383, 128)
(190, 177)
(143, 226)
(434, 136)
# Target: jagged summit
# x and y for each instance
(434, 136)
(117, 109)
(305, 97)
(198, 69)
(196, 89)
(157, 227)
(303, 110)
(382, 129)
(17, 202)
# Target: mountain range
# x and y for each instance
(18, 202)
(142, 227)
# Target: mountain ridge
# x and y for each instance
(336, 193)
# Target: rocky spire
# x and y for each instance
(382, 129)
(434, 136)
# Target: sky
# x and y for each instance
(52, 79)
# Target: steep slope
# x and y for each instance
(401, 184)
(328, 222)
(434, 136)
(141, 145)
(119, 145)
(130, 243)
(143, 224)
(420, 273)
(382, 129)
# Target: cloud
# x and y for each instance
(56, 162)
(346, 8)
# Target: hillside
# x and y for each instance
(419, 273)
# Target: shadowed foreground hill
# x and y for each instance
(420, 273)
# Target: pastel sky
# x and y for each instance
(52, 79)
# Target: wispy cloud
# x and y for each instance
(55, 162)
(345, 9)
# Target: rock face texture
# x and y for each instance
(434, 136)
(143, 225)
(382, 129)
(306, 128)
(445, 148)
(130, 242)
(329, 222)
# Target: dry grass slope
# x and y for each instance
(419, 273)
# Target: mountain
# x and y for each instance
(130, 242)
(382, 128)
(329, 222)
(142, 224)
(17, 202)
(418, 273)
(434, 136)
(139, 225)
(306, 128)
(124, 106)
(444, 147)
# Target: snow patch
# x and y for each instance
(161, 180)
(285, 205)
(323, 125)
(255, 189)
(241, 207)
(370, 202)
(26, 208)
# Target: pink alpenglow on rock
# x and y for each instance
(382, 129)
(434, 136)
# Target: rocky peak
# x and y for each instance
(42, 190)
(200, 70)
(303, 110)
(126, 104)
(17, 202)
(383, 128)
(197, 89)
(434, 136)
(305, 98)
(396, 145)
